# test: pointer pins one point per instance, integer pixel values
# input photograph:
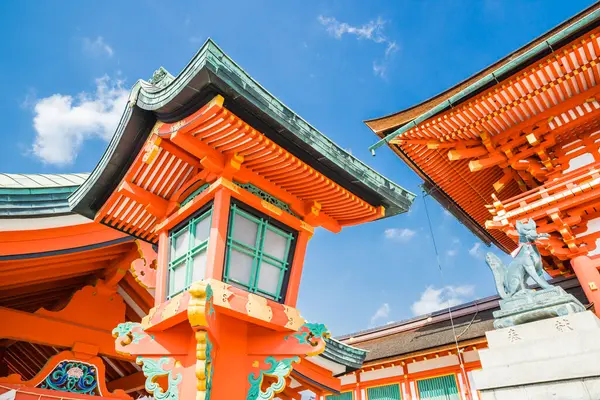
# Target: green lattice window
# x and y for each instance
(259, 252)
(387, 392)
(188, 243)
(440, 388)
(341, 396)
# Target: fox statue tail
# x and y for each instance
(499, 271)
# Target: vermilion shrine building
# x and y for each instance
(518, 140)
(174, 268)
(175, 265)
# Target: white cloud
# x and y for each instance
(452, 252)
(372, 30)
(391, 48)
(379, 69)
(97, 47)
(382, 312)
(447, 213)
(399, 234)
(63, 122)
(433, 299)
(476, 251)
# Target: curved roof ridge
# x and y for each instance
(35, 181)
(210, 72)
(37, 195)
(399, 118)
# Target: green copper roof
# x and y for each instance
(344, 354)
(212, 72)
(37, 194)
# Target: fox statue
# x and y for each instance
(527, 263)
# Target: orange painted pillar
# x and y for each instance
(296, 268)
(230, 363)
(587, 273)
(162, 261)
(218, 235)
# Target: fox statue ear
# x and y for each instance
(518, 224)
(531, 222)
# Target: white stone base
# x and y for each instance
(556, 358)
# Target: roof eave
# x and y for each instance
(212, 72)
(402, 117)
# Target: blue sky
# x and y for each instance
(67, 68)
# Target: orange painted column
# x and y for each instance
(587, 273)
(296, 268)
(218, 235)
(406, 382)
(358, 389)
(230, 365)
(162, 261)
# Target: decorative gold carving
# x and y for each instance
(271, 207)
(146, 320)
(295, 320)
(151, 150)
(203, 365)
(197, 305)
(171, 308)
(236, 161)
(307, 227)
(258, 307)
(228, 184)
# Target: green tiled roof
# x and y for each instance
(37, 194)
(344, 354)
(212, 72)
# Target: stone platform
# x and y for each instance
(535, 305)
(556, 358)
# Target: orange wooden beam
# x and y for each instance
(179, 153)
(41, 329)
(470, 152)
(154, 204)
(483, 163)
(317, 374)
(501, 184)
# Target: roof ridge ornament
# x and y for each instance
(161, 78)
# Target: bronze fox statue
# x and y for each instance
(512, 279)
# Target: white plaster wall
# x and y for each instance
(347, 379)
(381, 373)
(433, 363)
(470, 356)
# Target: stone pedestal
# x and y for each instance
(556, 358)
(534, 305)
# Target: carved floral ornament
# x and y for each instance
(66, 372)
(279, 370)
